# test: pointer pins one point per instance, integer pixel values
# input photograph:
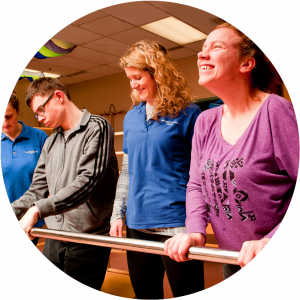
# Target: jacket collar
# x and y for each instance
(82, 123)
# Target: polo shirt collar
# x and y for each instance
(142, 109)
(24, 133)
(82, 123)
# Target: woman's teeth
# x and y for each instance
(205, 68)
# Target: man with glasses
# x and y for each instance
(74, 182)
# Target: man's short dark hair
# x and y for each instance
(44, 87)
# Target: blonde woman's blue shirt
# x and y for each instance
(159, 154)
(19, 159)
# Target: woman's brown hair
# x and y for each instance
(14, 101)
(263, 75)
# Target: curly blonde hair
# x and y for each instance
(173, 92)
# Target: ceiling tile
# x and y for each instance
(107, 26)
(90, 17)
(181, 53)
(195, 17)
(44, 67)
(70, 62)
(69, 80)
(76, 35)
(108, 45)
(196, 46)
(137, 13)
(93, 56)
(115, 65)
(87, 76)
(105, 70)
(136, 34)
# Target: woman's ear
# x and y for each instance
(247, 65)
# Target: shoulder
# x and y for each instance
(210, 115)
(279, 106)
(132, 112)
(98, 124)
(131, 115)
(96, 120)
(193, 109)
(35, 132)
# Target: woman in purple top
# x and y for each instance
(245, 153)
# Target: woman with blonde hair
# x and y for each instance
(245, 153)
(155, 170)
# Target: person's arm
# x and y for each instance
(196, 221)
(29, 220)
(120, 203)
(285, 136)
(91, 169)
(37, 190)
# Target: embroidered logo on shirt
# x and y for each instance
(170, 123)
(31, 152)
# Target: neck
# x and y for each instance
(238, 98)
(150, 102)
(13, 135)
(72, 116)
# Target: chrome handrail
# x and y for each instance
(199, 253)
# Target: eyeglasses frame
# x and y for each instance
(42, 107)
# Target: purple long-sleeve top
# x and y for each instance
(244, 188)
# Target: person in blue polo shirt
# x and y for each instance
(151, 188)
(21, 147)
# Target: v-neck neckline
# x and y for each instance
(245, 133)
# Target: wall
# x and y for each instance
(26, 115)
(98, 94)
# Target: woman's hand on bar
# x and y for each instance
(116, 228)
(178, 246)
(250, 249)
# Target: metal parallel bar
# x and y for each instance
(119, 153)
(199, 253)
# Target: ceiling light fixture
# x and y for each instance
(175, 30)
(45, 73)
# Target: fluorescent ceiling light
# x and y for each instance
(175, 30)
(45, 73)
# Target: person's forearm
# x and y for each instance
(37, 190)
(120, 203)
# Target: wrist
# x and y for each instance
(35, 212)
(197, 238)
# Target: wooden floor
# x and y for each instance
(117, 281)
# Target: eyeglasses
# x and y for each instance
(41, 111)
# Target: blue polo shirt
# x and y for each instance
(159, 154)
(19, 159)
